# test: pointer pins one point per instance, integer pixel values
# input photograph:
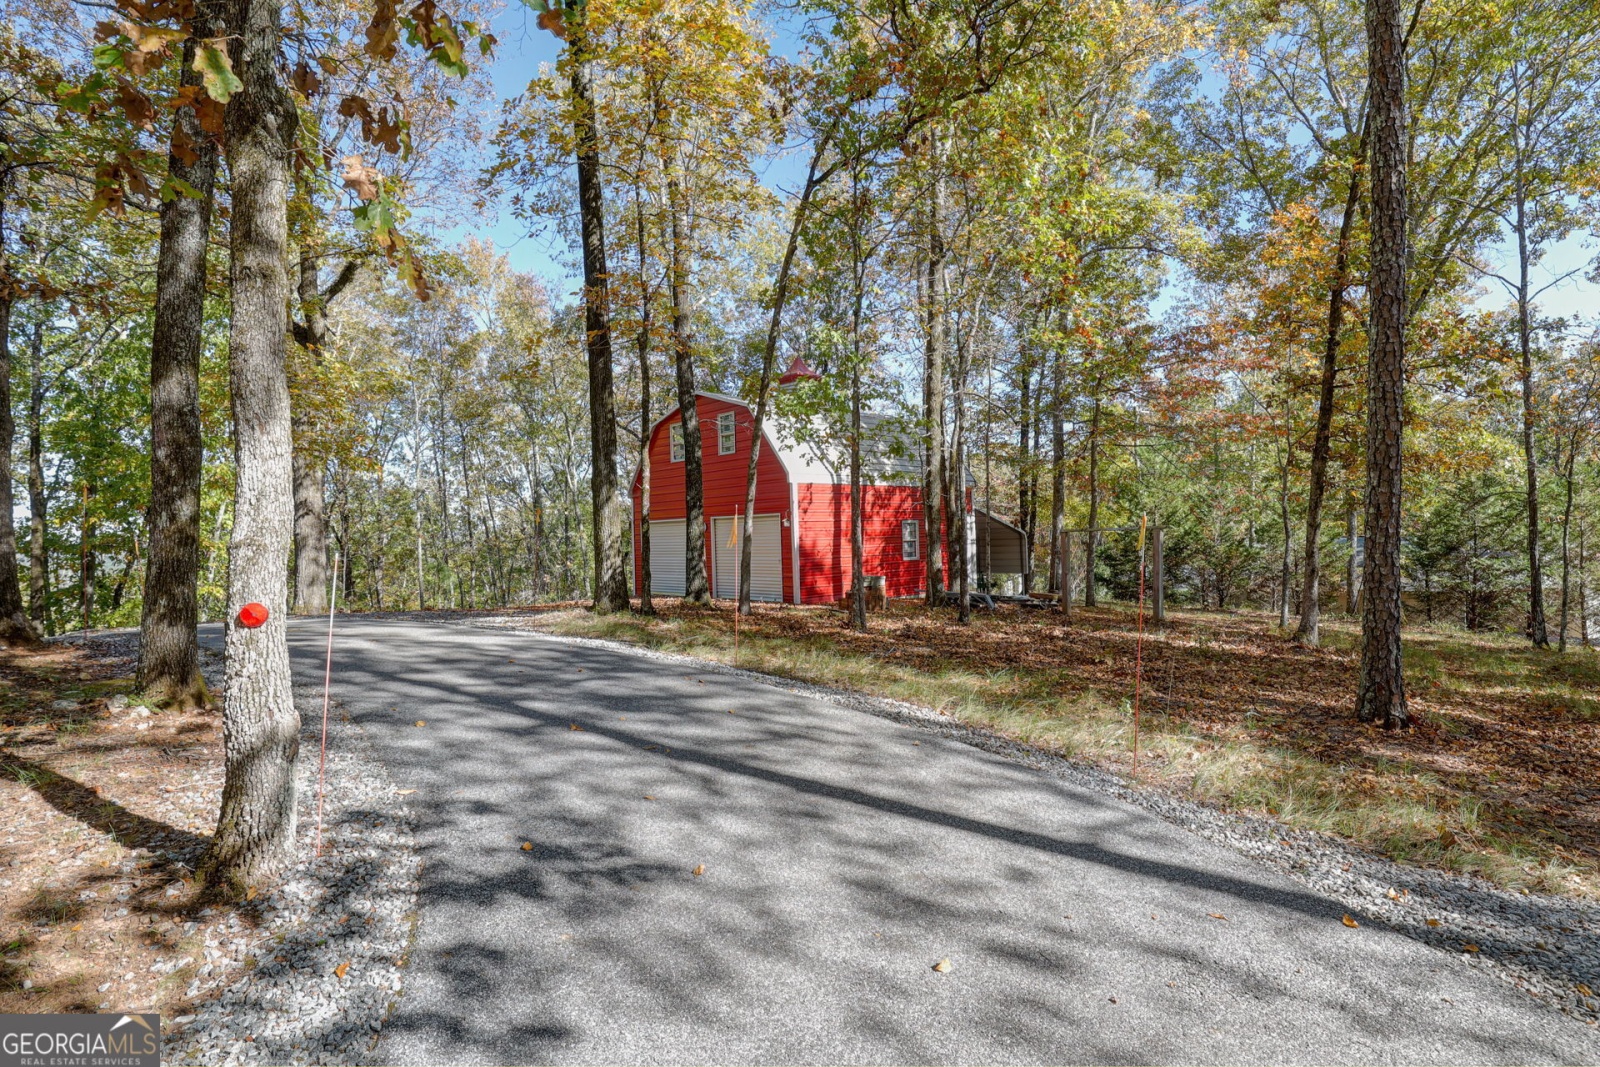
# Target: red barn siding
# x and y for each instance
(825, 540)
(722, 480)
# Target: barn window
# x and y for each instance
(725, 437)
(676, 436)
(910, 543)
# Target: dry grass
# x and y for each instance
(1501, 775)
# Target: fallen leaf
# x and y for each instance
(647, 796)
(1112, 999)
(732, 712)
(1585, 990)
(405, 792)
(79, 926)
(580, 670)
(1351, 923)
(250, 894)
(699, 870)
(527, 846)
(422, 722)
(1213, 914)
(1435, 922)
(1469, 947)
(943, 966)
(575, 726)
(342, 969)
(1393, 895)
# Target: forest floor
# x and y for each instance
(104, 808)
(1500, 776)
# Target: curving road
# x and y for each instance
(843, 855)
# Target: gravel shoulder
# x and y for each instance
(323, 963)
(1547, 946)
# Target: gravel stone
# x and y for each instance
(277, 996)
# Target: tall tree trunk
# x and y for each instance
(38, 499)
(88, 561)
(696, 589)
(1286, 571)
(958, 483)
(769, 356)
(169, 662)
(858, 578)
(1092, 539)
(642, 564)
(1309, 632)
(16, 629)
(1024, 482)
(261, 727)
(610, 554)
(1566, 545)
(1352, 568)
(1380, 691)
(933, 461)
(1058, 472)
(1537, 632)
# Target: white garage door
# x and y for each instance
(667, 566)
(766, 558)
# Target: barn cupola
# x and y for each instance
(797, 370)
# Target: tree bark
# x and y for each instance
(169, 659)
(1024, 481)
(16, 629)
(1537, 632)
(933, 460)
(261, 728)
(38, 499)
(610, 555)
(1309, 631)
(642, 564)
(696, 588)
(1566, 545)
(1092, 538)
(1380, 691)
(1058, 472)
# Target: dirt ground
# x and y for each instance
(105, 807)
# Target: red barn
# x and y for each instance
(800, 553)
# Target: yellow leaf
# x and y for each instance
(1585, 990)
(1435, 922)
(647, 796)
(422, 722)
(699, 870)
(575, 726)
(943, 966)
(342, 968)
(250, 894)
(527, 846)
(1351, 923)
(1213, 914)
(1469, 947)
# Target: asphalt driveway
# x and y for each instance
(841, 856)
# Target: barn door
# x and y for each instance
(766, 559)
(668, 567)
